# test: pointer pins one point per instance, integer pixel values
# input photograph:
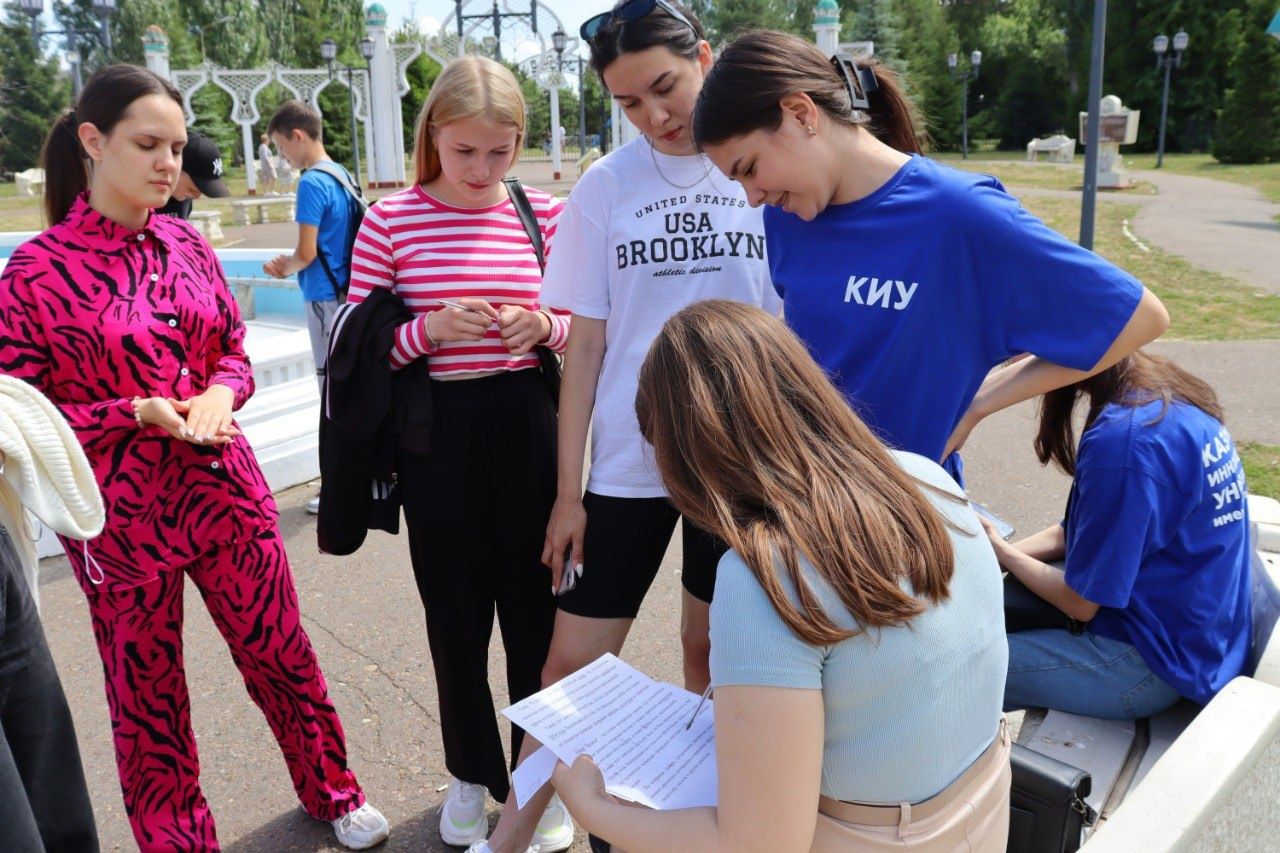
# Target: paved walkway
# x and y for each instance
(1215, 225)
(1220, 226)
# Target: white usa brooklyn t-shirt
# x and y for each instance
(632, 249)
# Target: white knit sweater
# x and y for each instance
(44, 466)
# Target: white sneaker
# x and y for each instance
(462, 817)
(483, 847)
(361, 829)
(555, 828)
(313, 506)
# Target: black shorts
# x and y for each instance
(625, 542)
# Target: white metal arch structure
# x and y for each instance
(243, 85)
(188, 83)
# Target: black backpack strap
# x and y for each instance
(528, 219)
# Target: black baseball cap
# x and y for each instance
(202, 160)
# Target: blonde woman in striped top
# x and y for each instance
(453, 248)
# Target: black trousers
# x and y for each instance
(476, 508)
(44, 803)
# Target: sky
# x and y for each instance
(571, 12)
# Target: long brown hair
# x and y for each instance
(758, 69)
(103, 102)
(756, 445)
(1137, 379)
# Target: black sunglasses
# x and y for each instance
(632, 10)
(860, 82)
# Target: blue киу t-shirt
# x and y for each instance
(322, 202)
(1157, 533)
(908, 297)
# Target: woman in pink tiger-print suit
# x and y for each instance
(124, 320)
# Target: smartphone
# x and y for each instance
(1004, 528)
(568, 577)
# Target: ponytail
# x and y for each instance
(103, 102)
(63, 161)
(752, 75)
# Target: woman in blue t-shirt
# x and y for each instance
(1156, 543)
(908, 280)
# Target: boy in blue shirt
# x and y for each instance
(324, 214)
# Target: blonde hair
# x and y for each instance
(469, 86)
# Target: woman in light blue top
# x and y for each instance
(857, 635)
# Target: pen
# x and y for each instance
(705, 694)
(449, 303)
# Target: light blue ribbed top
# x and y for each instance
(907, 709)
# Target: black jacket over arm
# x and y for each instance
(369, 413)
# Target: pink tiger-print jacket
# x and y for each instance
(93, 314)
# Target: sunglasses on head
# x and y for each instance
(632, 10)
(859, 82)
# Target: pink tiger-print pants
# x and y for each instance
(249, 591)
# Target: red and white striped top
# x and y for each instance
(425, 250)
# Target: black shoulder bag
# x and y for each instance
(549, 361)
(1047, 811)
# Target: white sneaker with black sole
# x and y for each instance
(555, 828)
(462, 817)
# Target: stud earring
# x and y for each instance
(809, 128)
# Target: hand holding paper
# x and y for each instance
(634, 729)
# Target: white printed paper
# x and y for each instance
(532, 774)
(633, 728)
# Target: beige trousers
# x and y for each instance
(971, 814)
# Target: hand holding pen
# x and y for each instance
(464, 319)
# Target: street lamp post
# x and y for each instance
(329, 53)
(495, 16)
(975, 63)
(1169, 62)
(102, 8)
(558, 42)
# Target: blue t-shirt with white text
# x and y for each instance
(322, 202)
(1157, 533)
(908, 297)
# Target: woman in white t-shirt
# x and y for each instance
(648, 230)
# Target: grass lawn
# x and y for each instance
(1017, 172)
(1202, 305)
(1261, 467)
(1263, 176)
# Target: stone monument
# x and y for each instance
(1118, 126)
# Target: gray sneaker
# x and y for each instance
(313, 506)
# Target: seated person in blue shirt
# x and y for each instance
(857, 638)
(1156, 543)
(909, 280)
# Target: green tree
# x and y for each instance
(923, 57)
(1198, 87)
(32, 93)
(1025, 64)
(1249, 126)
(723, 19)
